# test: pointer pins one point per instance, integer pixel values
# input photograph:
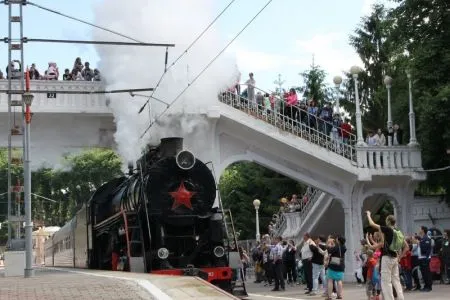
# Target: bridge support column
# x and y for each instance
(350, 244)
(404, 208)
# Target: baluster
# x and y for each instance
(378, 160)
(405, 158)
(398, 159)
(370, 158)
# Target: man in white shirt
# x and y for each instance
(278, 265)
(307, 261)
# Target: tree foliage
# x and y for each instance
(67, 188)
(243, 182)
(314, 86)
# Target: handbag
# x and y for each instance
(336, 260)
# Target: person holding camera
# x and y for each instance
(393, 244)
(336, 264)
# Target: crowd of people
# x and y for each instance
(321, 264)
(294, 111)
(79, 72)
(388, 262)
(298, 112)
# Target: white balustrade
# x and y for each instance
(389, 157)
(50, 102)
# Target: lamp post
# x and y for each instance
(412, 116)
(388, 83)
(355, 70)
(337, 82)
(256, 204)
(28, 100)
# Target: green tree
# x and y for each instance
(66, 189)
(314, 86)
(423, 33)
(373, 43)
(243, 182)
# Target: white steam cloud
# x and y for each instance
(161, 21)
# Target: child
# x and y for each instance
(371, 265)
(406, 268)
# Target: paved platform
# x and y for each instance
(60, 284)
(351, 292)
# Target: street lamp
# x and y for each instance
(337, 82)
(388, 83)
(256, 204)
(355, 70)
(412, 116)
(27, 99)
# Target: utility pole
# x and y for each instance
(279, 83)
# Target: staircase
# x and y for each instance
(302, 125)
(290, 224)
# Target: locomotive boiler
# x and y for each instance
(159, 219)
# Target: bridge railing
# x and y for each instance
(77, 99)
(320, 134)
(389, 158)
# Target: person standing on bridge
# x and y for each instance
(251, 83)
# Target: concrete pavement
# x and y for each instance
(58, 284)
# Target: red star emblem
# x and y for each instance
(182, 197)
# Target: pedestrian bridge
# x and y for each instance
(346, 179)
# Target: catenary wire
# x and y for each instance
(84, 22)
(184, 52)
(204, 69)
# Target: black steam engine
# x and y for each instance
(158, 219)
(169, 223)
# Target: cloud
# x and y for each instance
(331, 52)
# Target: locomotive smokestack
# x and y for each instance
(130, 167)
(170, 146)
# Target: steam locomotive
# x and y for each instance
(159, 219)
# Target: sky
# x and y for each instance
(282, 40)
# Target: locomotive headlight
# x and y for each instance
(219, 251)
(185, 160)
(163, 253)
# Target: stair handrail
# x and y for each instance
(314, 196)
(278, 119)
(281, 99)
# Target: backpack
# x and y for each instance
(397, 240)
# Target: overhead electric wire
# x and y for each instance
(438, 169)
(25, 40)
(84, 22)
(184, 52)
(205, 68)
